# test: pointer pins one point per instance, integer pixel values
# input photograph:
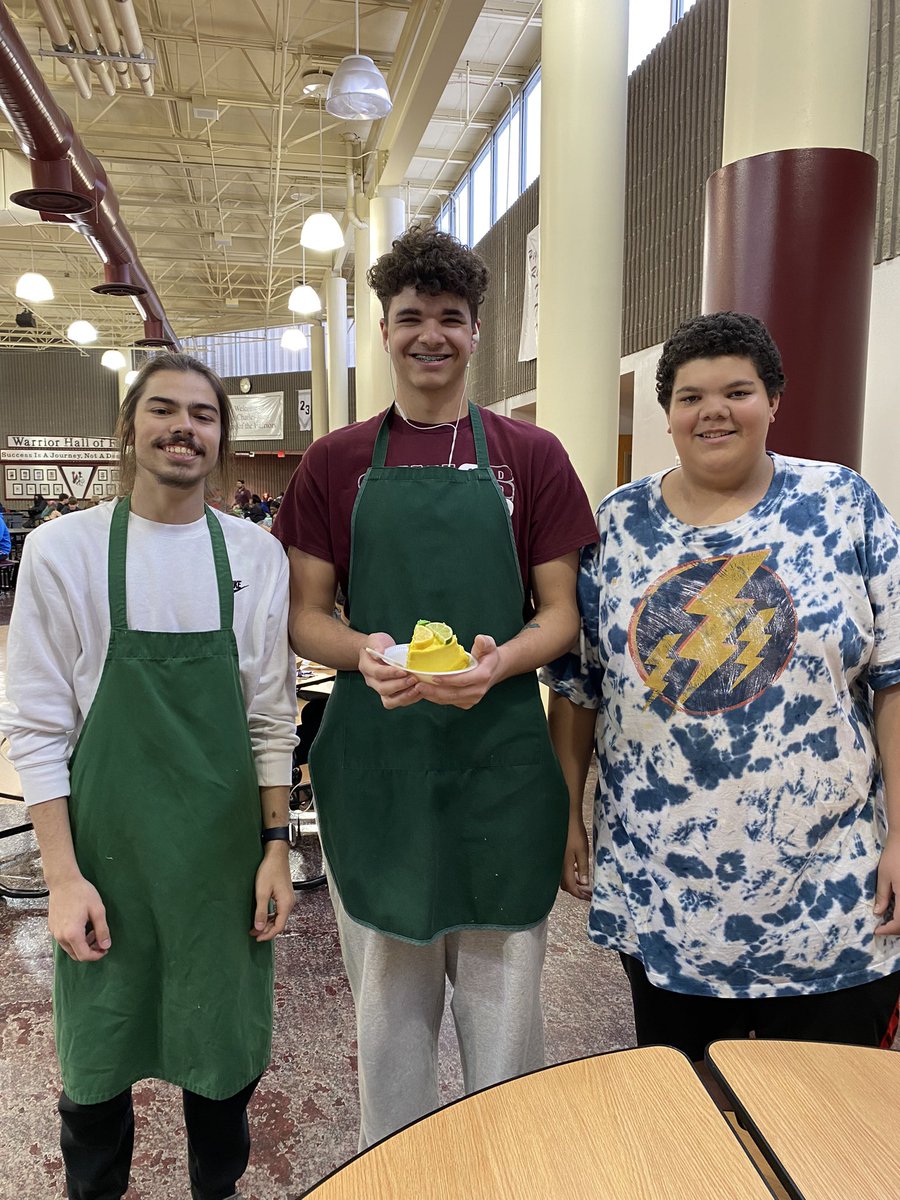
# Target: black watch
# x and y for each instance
(278, 833)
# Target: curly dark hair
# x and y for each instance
(714, 335)
(169, 361)
(432, 262)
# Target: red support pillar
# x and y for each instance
(789, 238)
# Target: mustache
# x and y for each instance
(179, 441)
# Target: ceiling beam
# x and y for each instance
(431, 44)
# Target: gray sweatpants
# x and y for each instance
(398, 989)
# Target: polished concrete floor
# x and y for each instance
(304, 1115)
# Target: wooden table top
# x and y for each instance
(631, 1125)
(825, 1116)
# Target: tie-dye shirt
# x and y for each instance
(739, 813)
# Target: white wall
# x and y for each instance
(881, 441)
(651, 448)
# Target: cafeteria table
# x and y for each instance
(628, 1125)
(314, 682)
(825, 1116)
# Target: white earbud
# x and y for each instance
(476, 337)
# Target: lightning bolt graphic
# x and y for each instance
(723, 610)
(755, 636)
(660, 658)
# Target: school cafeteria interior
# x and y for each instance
(176, 174)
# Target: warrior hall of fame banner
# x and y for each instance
(83, 467)
(258, 418)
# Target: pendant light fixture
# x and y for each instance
(82, 332)
(294, 339)
(357, 91)
(114, 359)
(320, 230)
(304, 299)
(34, 288)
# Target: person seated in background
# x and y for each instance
(37, 510)
(739, 676)
(255, 512)
(5, 541)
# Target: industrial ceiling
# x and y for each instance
(212, 147)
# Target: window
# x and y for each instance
(533, 130)
(461, 224)
(481, 195)
(444, 221)
(648, 24)
(507, 153)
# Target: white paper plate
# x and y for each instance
(395, 656)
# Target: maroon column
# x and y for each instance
(789, 238)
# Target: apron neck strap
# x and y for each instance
(118, 546)
(481, 452)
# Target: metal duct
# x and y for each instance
(65, 172)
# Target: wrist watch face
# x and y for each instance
(244, 385)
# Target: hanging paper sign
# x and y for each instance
(258, 418)
(529, 334)
(304, 410)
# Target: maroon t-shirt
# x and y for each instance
(549, 509)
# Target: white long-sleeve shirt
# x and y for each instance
(59, 632)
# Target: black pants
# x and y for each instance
(97, 1142)
(865, 1015)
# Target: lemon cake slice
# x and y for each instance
(433, 647)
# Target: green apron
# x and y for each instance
(434, 818)
(165, 818)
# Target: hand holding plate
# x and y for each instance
(463, 689)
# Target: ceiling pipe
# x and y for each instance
(111, 41)
(350, 207)
(134, 42)
(61, 42)
(90, 44)
(70, 184)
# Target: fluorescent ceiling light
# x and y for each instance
(304, 300)
(82, 332)
(34, 288)
(294, 339)
(114, 359)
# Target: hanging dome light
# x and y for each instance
(304, 300)
(130, 377)
(321, 232)
(34, 288)
(358, 91)
(82, 332)
(114, 359)
(294, 339)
